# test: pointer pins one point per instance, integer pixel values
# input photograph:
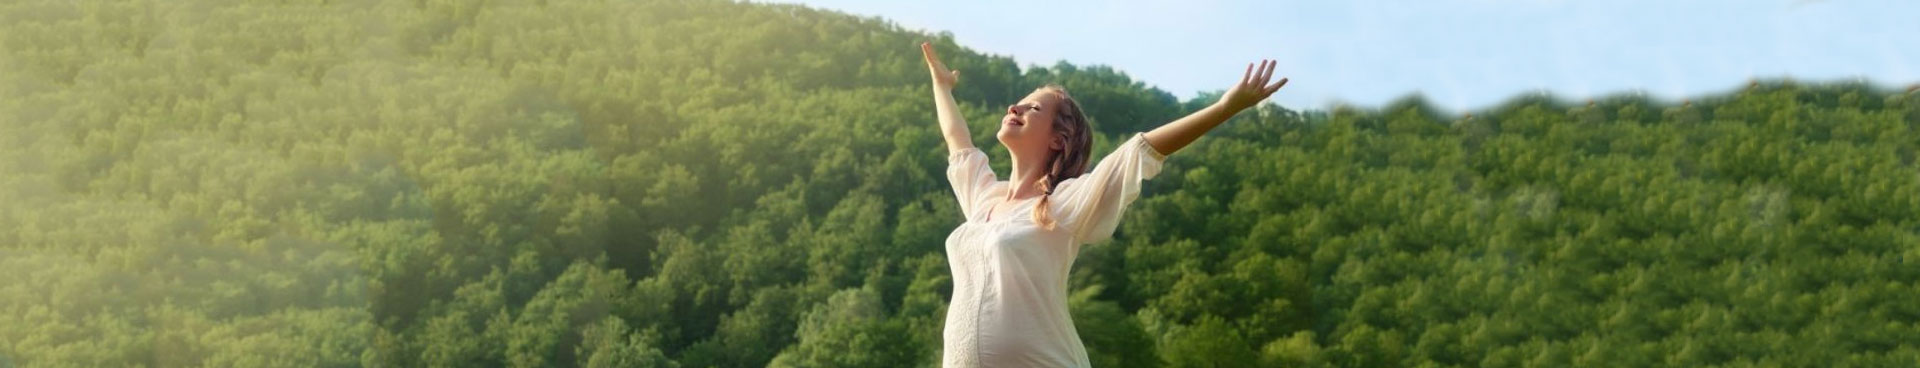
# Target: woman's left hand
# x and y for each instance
(1253, 87)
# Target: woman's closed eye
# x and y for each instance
(1023, 109)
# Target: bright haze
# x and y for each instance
(1460, 54)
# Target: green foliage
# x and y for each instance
(850, 330)
(1112, 337)
(705, 183)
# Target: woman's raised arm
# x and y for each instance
(952, 125)
(1252, 89)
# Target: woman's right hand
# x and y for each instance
(953, 127)
(943, 78)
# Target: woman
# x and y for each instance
(1010, 259)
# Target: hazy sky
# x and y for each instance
(1462, 54)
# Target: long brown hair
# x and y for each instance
(1070, 125)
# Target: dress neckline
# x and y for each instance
(996, 204)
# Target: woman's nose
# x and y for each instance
(1013, 109)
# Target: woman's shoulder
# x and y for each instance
(1069, 183)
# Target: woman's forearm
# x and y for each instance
(1180, 133)
(1252, 89)
(952, 125)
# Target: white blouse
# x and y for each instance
(1009, 306)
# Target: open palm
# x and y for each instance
(942, 77)
(1253, 86)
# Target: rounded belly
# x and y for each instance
(998, 334)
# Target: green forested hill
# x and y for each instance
(701, 183)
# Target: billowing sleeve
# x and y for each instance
(1091, 205)
(967, 170)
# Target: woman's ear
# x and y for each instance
(1059, 144)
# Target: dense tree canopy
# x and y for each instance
(700, 183)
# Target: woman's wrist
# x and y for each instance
(1228, 108)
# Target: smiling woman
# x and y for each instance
(1009, 303)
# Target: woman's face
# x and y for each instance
(1027, 128)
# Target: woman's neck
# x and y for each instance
(1026, 176)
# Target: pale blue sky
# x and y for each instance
(1462, 54)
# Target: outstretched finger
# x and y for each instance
(1248, 76)
(1259, 75)
(1266, 73)
(1275, 87)
(926, 50)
